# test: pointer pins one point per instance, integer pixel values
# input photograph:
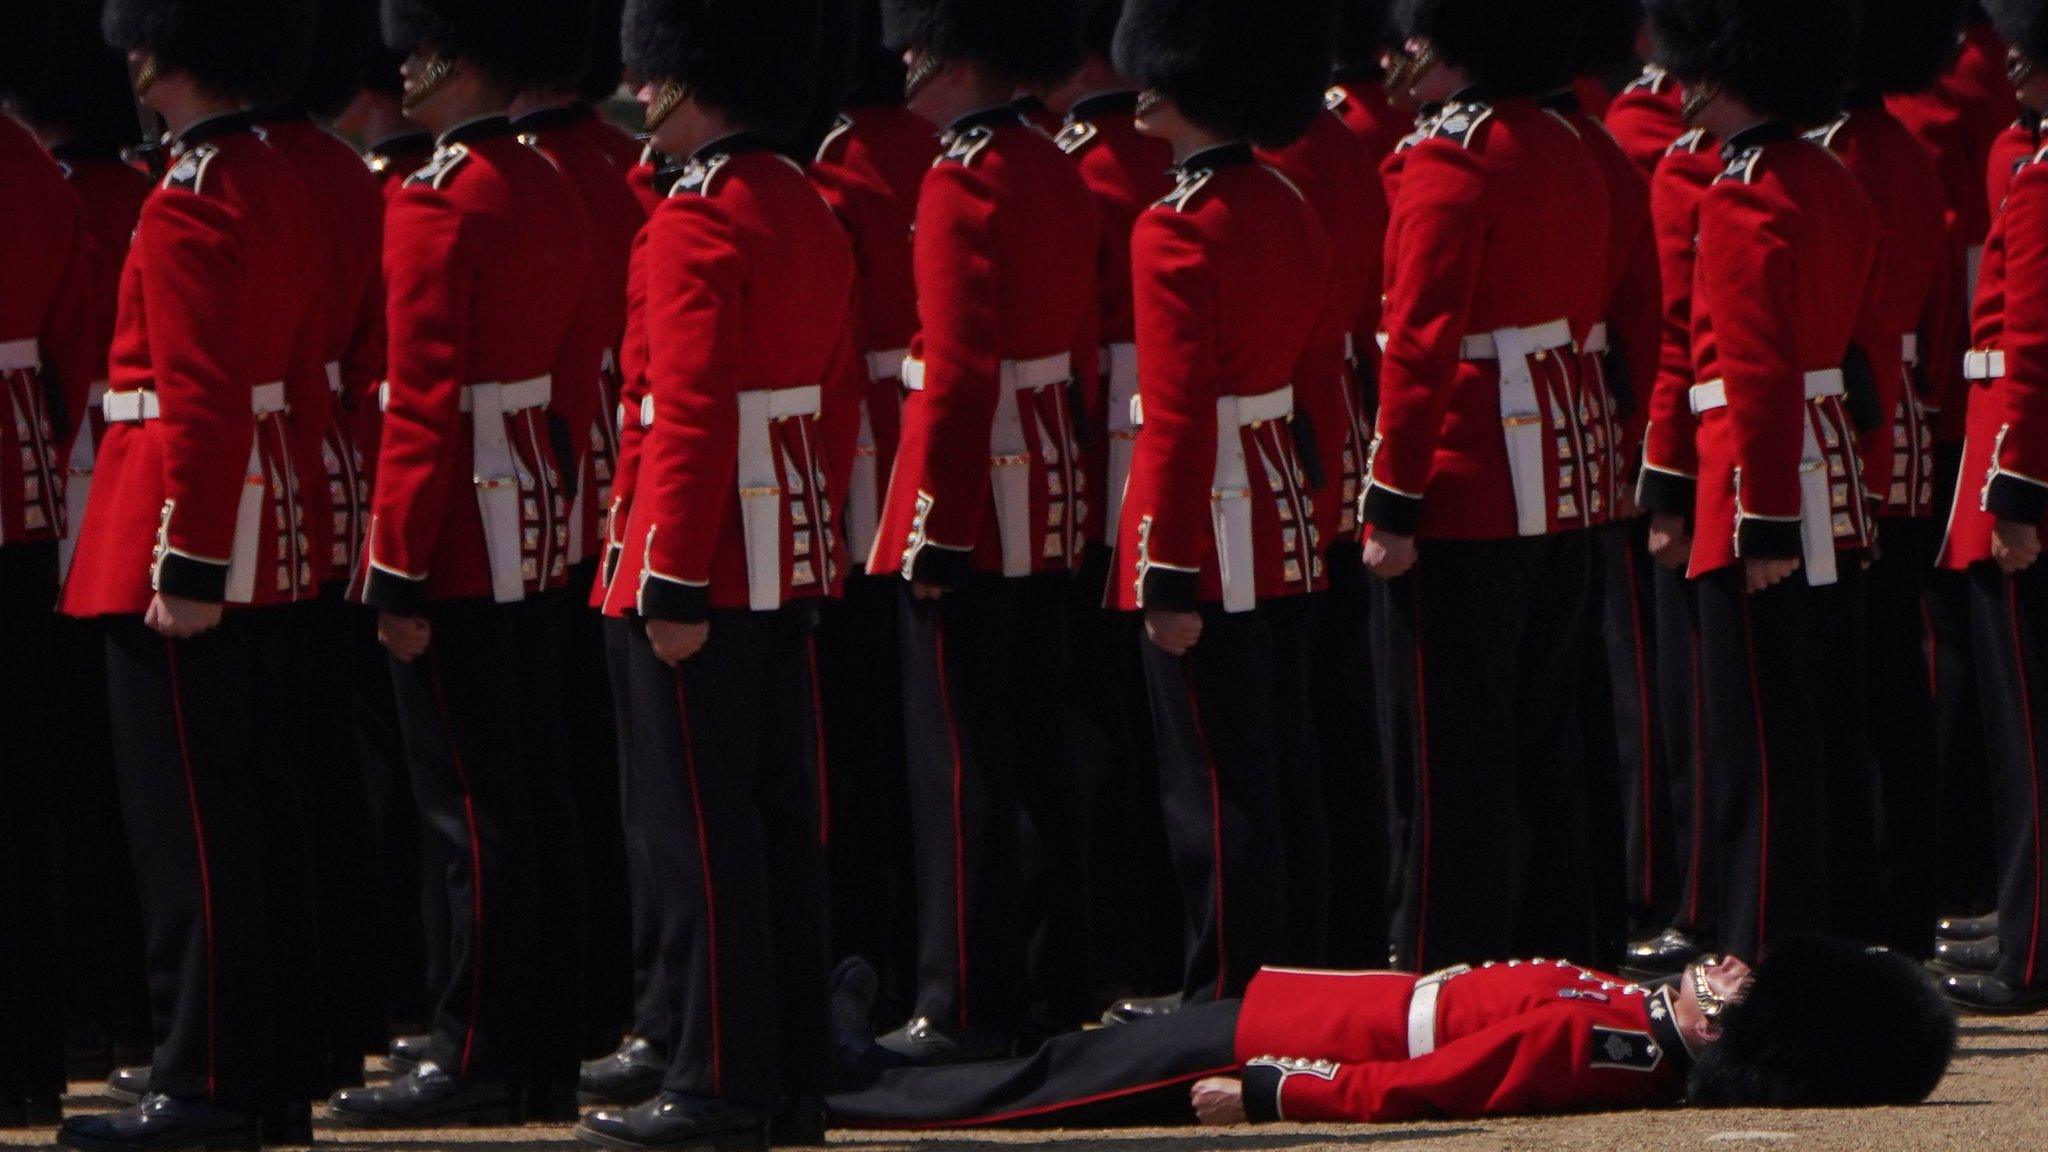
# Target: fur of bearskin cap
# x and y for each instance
(1025, 41)
(1791, 61)
(22, 35)
(80, 84)
(1907, 44)
(503, 38)
(1099, 19)
(253, 49)
(348, 56)
(1507, 47)
(606, 67)
(565, 30)
(1365, 28)
(1242, 68)
(877, 77)
(1609, 42)
(755, 60)
(1829, 1023)
(2022, 24)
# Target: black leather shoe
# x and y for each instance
(407, 1051)
(1142, 1008)
(1967, 927)
(1666, 952)
(672, 1121)
(551, 1103)
(426, 1097)
(129, 1085)
(290, 1124)
(627, 1076)
(923, 1044)
(160, 1122)
(1966, 956)
(32, 1112)
(800, 1124)
(1982, 992)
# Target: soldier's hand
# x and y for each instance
(1219, 1101)
(919, 590)
(1625, 506)
(1389, 554)
(1764, 573)
(1669, 543)
(1176, 632)
(675, 642)
(405, 636)
(2015, 545)
(177, 618)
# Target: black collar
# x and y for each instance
(994, 117)
(74, 151)
(1027, 105)
(1563, 100)
(1103, 104)
(1220, 156)
(1664, 1026)
(481, 128)
(403, 144)
(745, 140)
(1473, 93)
(2031, 120)
(1861, 98)
(1756, 136)
(215, 127)
(550, 119)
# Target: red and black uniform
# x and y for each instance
(1484, 449)
(485, 254)
(1514, 1038)
(1778, 292)
(747, 279)
(869, 168)
(618, 145)
(1908, 313)
(1645, 118)
(2005, 460)
(1326, 659)
(988, 499)
(209, 488)
(1228, 276)
(1364, 106)
(396, 157)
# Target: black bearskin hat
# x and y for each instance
(1099, 19)
(1025, 41)
(1364, 30)
(80, 85)
(1609, 42)
(1507, 47)
(1907, 44)
(503, 38)
(565, 31)
(1243, 68)
(22, 37)
(755, 60)
(1829, 1023)
(2022, 24)
(1789, 61)
(839, 49)
(253, 49)
(348, 56)
(877, 77)
(606, 67)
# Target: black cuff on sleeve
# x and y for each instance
(1666, 492)
(1306, 449)
(945, 567)
(1171, 590)
(1262, 1093)
(390, 592)
(1615, 361)
(1859, 385)
(1760, 539)
(674, 601)
(2010, 498)
(613, 553)
(190, 579)
(1384, 508)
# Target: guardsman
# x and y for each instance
(868, 166)
(1780, 517)
(731, 542)
(395, 147)
(1994, 538)
(1482, 481)
(1218, 525)
(1904, 47)
(600, 83)
(79, 105)
(1358, 90)
(208, 524)
(1644, 116)
(984, 520)
(485, 254)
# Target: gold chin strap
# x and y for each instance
(1149, 101)
(2018, 68)
(1697, 97)
(1414, 68)
(922, 70)
(665, 103)
(1711, 1006)
(433, 72)
(146, 75)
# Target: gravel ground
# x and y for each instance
(1996, 1097)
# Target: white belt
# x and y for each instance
(1017, 375)
(517, 396)
(334, 377)
(1521, 415)
(1596, 340)
(1230, 493)
(1909, 348)
(1350, 347)
(761, 485)
(1120, 369)
(16, 355)
(1009, 452)
(138, 406)
(1713, 394)
(1422, 1010)
(887, 365)
(1816, 512)
(864, 487)
(499, 476)
(1984, 365)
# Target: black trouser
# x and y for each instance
(1355, 796)
(1681, 702)
(1788, 769)
(215, 807)
(1305, 816)
(1220, 782)
(480, 710)
(654, 1001)
(2009, 616)
(992, 802)
(1968, 868)
(1480, 646)
(721, 779)
(601, 960)
(1133, 1075)
(1628, 639)
(31, 972)
(1902, 718)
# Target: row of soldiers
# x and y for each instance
(1100, 496)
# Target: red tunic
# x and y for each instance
(485, 253)
(1337, 172)
(869, 169)
(209, 483)
(1513, 1038)
(394, 158)
(1645, 118)
(1363, 105)
(747, 280)
(1671, 458)
(1498, 241)
(1787, 241)
(615, 143)
(1228, 274)
(987, 474)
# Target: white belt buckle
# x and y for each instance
(19, 355)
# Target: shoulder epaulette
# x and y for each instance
(1692, 141)
(1191, 182)
(190, 171)
(1076, 136)
(840, 127)
(1652, 81)
(963, 147)
(65, 167)
(699, 176)
(1460, 121)
(446, 162)
(1825, 134)
(1334, 97)
(1742, 165)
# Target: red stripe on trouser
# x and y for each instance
(1699, 778)
(959, 821)
(1422, 764)
(205, 868)
(710, 890)
(1643, 718)
(476, 868)
(1001, 1118)
(1763, 767)
(2019, 662)
(1215, 837)
(818, 728)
